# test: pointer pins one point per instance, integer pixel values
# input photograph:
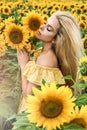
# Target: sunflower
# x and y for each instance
(83, 59)
(6, 10)
(82, 6)
(2, 27)
(45, 17)
(2, 46)
(34, 4)
(53, 3)
(84, 10)
(41, 5)
(1, 39)
(29, 46)
(83, 17)
(17, 4)
(50, 106)
(33, 21)
(78, 10)
(10, 4)
(79, 116)
(2, 50)
(65, 7)
(71, 5)
(83, 68)
(1, 19)
(50, 6)
(73, 11)
(44, 11)
(9, 20)
(37, 52)
(2, 3)
(16, 36)
(82, 24)
(85, 42)
(82, 77)
(21, 12)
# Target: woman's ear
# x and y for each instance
(54, 41)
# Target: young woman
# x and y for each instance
(59, 57)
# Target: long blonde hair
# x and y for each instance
(68, 44)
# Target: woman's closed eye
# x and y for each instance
(49, 28)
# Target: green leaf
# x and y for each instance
(69, 77)
(48, 13)
(38, 45)
(43, 82)
(72, 126)
(81, 100)
(22, 123)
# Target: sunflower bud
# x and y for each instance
(83, 69)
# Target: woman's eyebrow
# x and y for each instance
(50, 26)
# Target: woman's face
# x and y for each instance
(48, 31)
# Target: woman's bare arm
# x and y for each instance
(23, 58)
(26, 86)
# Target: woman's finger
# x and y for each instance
(19, 53)
(25, 52)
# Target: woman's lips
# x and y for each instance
(39, 32)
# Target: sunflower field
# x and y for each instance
(19, 21)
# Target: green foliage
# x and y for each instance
(83, 68)
(43, 82)
(22, 123)
(81, 100)
(69, 77)
(83, 33)
(38, 45)
(71, 126)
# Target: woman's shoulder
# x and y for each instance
(47, 59)
(35, 73)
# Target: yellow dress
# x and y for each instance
(36, 73)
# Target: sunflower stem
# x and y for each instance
(76, 85)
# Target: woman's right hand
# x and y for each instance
(23, 57)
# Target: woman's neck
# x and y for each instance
(47, 47)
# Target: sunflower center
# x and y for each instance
(79, 121)
(51, 108)
(6, 10)
(34, 24)
(16, 36)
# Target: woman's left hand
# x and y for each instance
(23, 57)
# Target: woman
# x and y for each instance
(59, 57)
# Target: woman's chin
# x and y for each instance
(37, 36)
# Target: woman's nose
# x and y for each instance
(42, 27)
